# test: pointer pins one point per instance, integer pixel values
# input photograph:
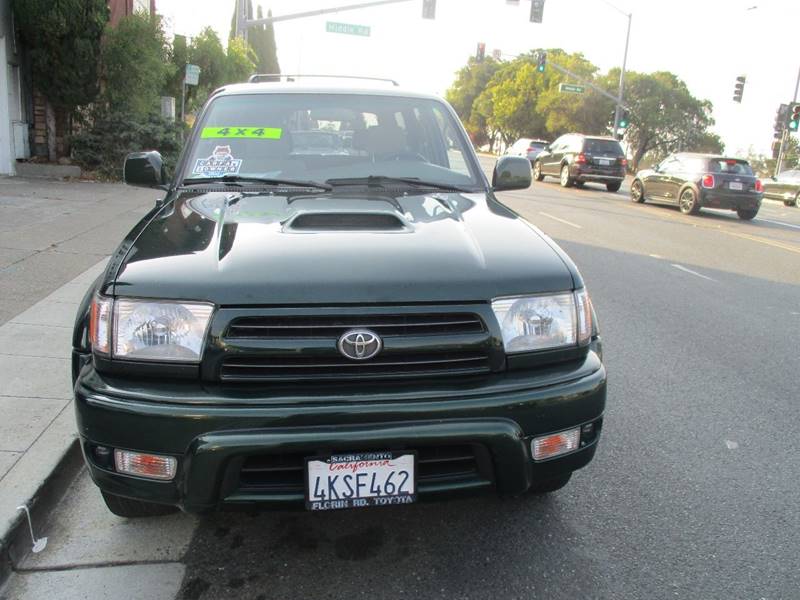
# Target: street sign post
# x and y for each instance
(191, 76)
(571, 88)
(347, 28)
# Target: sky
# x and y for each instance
(707, 43)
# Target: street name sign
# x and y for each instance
(347, 28)
(571, 88)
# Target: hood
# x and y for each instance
(259, 248)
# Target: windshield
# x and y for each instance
(316, 137)
(602, 147)
(730, 166)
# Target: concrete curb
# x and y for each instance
(47, 171)
(39, 444)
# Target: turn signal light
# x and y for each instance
(151, 466)
(759, 186)
(550, 446)
(708, 181)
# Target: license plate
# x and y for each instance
(603, 162)
(735, 185)
(361, 479)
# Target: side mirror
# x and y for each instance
(145, 169)
(511, 173)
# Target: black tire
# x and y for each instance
(579, 184)
(565, 178)
(687, 202)
(747, 215)
(547, 486)
(134, 509)
(537, 171)
(613, 187)
(637, 191)
(795, 202)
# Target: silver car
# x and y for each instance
(527, 147)
(784, 187)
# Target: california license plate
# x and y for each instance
(601, 161)
(735, 185)
(360, 479)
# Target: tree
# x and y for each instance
(236, 5)
(265, 47)
(135, 64)
(471, 80)
(207, 53)
(179, 57)
(63, 42)
(665, 116)
(240, 60)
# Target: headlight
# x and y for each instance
(149, 330)
(544, 322)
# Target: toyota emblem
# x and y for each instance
(359, 344)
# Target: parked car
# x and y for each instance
(334, 331)
(576, 159)
(527, 147)
(785, 187)
(694, 181)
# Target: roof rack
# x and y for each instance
(265, 77)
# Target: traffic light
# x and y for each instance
(794, 117)
(537, 11)
(624, 119)
(738, 89)
(481, 52)
(428, 9)
(781, 120)
(541, 61)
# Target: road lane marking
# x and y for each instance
(778, 223)
(655, 256)
(544, 214)
(761, 240)
(685, 270)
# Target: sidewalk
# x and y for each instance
(55, 238)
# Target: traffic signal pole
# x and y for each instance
(622, 76)
(785, 136)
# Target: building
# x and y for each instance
(123, 8)
(14, 105)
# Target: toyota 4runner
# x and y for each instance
(330, 308)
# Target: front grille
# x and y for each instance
(464, 363)
(335, 325)
(302, 346)
(283, 473)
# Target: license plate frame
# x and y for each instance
(735, 186)
(604, 162)
(377, 479)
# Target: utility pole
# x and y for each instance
(622, 75)
(785, 136)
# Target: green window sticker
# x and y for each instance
(251, 133)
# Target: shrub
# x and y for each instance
(108, 137)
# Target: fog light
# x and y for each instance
(151, 466)
(556, 444)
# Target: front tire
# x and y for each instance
(613, 187)
(688, 202)
(637, 192)
(795, 202)
(537, 171)
(566, 180)
(548, 486)
(747, 215)
(135, 509)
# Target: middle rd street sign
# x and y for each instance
(571, 88)
(347, 28)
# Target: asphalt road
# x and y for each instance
(693, 492)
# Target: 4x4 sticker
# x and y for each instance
(220, 163)
(253, 133)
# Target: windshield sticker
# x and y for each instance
(252, 133)
(220, 163)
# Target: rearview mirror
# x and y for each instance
(145, 169)
(511, 173)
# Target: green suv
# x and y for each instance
(330, 308)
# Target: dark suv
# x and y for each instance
(576, 158)
(693, 181)
(337, 330)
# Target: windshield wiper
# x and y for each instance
(383, 180)
(238, 180)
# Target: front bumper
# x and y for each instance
(212, 436)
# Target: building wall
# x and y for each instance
(123, 8)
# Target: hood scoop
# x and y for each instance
(306, 222)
